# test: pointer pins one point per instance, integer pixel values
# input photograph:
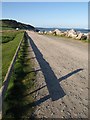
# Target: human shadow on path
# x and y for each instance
(69, 74)
(60, 79)
(55, 90)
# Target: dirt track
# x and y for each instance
(62, 76)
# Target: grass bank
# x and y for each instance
(62, 36)
(18, 100)
(8, 50)
(7, 28)
(9, 35)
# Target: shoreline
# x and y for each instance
(77, 35)
(83, 30)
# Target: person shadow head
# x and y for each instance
(54, 88)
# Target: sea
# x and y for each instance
(64, 29)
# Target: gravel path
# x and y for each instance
(62, 76)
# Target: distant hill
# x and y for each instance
(13, 24)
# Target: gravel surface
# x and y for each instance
(62, 76)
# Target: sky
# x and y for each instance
(48, 14)
(45, 0)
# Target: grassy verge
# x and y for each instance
(9, 35)
(0, 65)
(62, 36)
(17, 103)
(8, 51)
(7, 28)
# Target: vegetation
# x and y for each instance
(0, 39)
(6, 28)
(62, 36)
(13, 24)
(9, 48)
(18, 100)
(0, 63)
(9, 35)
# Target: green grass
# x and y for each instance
(8, 51)
(9, 35)
(18, 101)
(88, 41)
(62, 36)
(7, 28)
(0, 37)
(0, 65)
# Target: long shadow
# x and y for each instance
(55, 90)
(30, 58)
(70, 74)
(38, 102)
(52, 82)
(60, 79)
(35, 71)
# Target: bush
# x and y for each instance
(18, 69)
(9, 35)
(6, 39)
